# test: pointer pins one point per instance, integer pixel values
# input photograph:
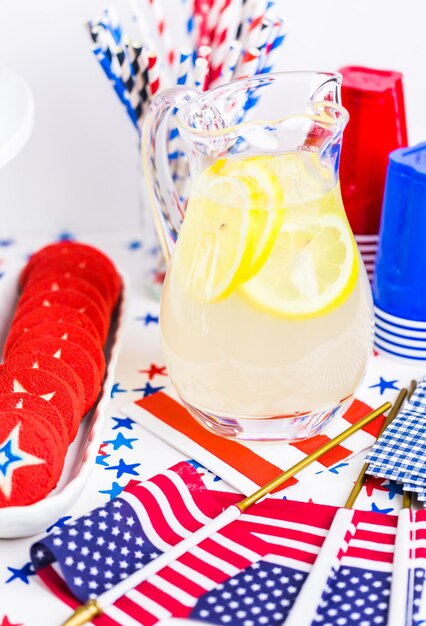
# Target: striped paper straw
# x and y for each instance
(163, 31)
(185, 61)
(203, 38)
(189, 22)
(212, 19)
(273, 48)
(246, 13)
(225, 33)
(229, 65)
(205, 52)
(265, 35)
(249, 64)
(255, 25)
(140, 66)
(173, 145)
(153, 74)
(112, 21)
(116, 82)
(107, 42)
(200, 73)
(139, 17)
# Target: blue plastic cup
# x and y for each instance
(399, 287)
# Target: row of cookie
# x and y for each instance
(54, 364)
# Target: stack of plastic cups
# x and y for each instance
(375, 101)
(400, 283)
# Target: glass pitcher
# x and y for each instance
(266, 312)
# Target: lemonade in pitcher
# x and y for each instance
(263, 314)
(266, 311)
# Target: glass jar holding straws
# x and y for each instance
(223, 40)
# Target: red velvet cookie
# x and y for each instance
(55, 313)
(81, 273)
(53, 364)
(67, 297)
(40, 409)
(31, 460)
(66, 255)
(58, 283)
(40, 383)
(68, 332)
(73, 355)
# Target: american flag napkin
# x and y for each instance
(247, 465)
(247, 574)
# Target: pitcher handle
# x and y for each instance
(163, 197)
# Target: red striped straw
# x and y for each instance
(249, 64)
(163, 31)
(212, 19)
(153, 73)
(201, 16)
(205, 52)
(225, 33)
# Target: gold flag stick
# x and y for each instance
(94, 608)
(362, 476)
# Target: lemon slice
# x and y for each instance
(267, 206)
(310, 271)
(214, 243)
(229, 228)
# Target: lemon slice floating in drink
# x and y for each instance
(311, 270)
(232, 221)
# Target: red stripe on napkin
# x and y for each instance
(330, 458)
(359, 409)
(235, 454)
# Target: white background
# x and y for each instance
(79, 170)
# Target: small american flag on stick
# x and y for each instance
(408, 593)
(249, 573)
(350, 582)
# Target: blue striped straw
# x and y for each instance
(112, 22)
(185, 58)
(116, 82)
(279, 35)
(185, 62)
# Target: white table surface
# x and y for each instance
(24, 600)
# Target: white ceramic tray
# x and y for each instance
(16, 114)
(23, 521)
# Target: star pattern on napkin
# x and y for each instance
(124, 468)
(114, 492)
(384, 385)
(148, 319)
(5, 622)
(22, 573)
(154, 370)
(116, 389)
(123, 422)
(121, 441)
(148, 390)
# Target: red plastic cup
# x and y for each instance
(377, 125)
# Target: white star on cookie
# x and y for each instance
(12, 458)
